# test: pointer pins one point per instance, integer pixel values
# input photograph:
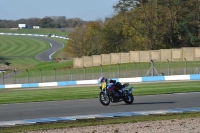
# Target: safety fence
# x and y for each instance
(93, 73)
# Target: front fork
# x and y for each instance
(130, 90)
(105, 92)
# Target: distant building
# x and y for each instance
(21, 26)
(29, 27)
(36, 27)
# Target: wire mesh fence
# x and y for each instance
(109, 71)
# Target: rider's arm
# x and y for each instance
(112, 81)
(100, 87)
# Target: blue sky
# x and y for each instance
(84, 9)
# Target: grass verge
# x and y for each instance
(94, 122)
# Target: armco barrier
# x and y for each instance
(93, 82)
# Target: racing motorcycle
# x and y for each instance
(115, 92)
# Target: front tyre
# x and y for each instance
(129, 99)
(104, 99)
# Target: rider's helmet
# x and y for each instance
(101, 79)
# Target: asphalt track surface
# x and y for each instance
(20, 111)
(46, 55)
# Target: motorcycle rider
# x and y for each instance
(114, 91)
(111, 81)
(103, 79)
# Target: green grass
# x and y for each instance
(51, 65)
(47, 69)
(21, 51)
(8, 96)
(44, 31)
(21, 46)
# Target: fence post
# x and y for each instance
(152, 66)
(40, 75)
(55, 74)
(84, 72)
(135, 68)
(15, 76)
(168, 67)
(27, 76)
(70, 73)
(118, 70)
(101, 69)
(3, 78)
(185, 70)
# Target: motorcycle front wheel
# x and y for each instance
(104, 99)
(129, 99)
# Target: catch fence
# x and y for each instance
(135, 69)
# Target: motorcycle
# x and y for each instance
(115, 92)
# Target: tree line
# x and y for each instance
(46, 22)
(139, 25)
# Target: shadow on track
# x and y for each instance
(147, 103)
(153, 103)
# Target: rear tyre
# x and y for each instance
(104, 99)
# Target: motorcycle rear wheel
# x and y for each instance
(129, 99)
(104, 99)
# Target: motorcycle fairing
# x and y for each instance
(111, 87)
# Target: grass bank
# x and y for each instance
(21, 51)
